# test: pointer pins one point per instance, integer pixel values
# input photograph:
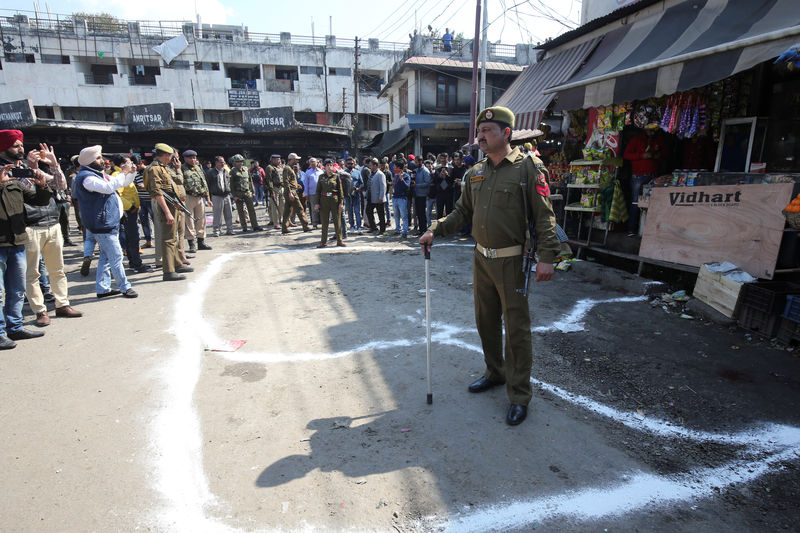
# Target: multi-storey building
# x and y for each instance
(74, 82)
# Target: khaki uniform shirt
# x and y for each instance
(241, 183)
(492, 199)
(329, 187)
(194, 181)
(156, 178)
(289, 180)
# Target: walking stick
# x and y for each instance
(428, 316)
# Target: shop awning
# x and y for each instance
(687, 45)
(427, 121)
(388, 140)
(525, 98)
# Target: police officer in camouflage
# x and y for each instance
(194, 181)
(273, 187)
(329, 201)
(242, 190)
(492, 199)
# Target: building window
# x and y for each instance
(243, 77)
(369, 83)
(53, 59)
(206, 65)
(101, 75)
(20, 58)
(92, 114)
(233, 118)
(339, 71)
(44, 111)
(446, 92)
(371, 122)
(143, 75)
(403, 100)
(186, 115)
(178, 65)
(311, 70)
(305, 117)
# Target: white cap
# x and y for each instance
(89, 154)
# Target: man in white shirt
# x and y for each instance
(101, 211)
(310, 179)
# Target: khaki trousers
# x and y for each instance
(168, 239)
(48, 242)
(498, 285)
(196, 229)
(328, 207)
(287, 208)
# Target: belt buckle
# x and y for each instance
(491, 253)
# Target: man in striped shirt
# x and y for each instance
(145, 207)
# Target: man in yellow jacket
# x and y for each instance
(130, 213)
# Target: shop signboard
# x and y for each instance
(742, 224)
(150, 117)
(267, 119)
(243, 98)
(17, 114)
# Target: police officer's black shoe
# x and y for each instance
(483, 384)
(184, 269)
(173, 276)
(201, 245)
(516, 414)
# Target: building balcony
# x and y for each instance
(99, 79)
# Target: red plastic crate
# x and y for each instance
(788, 332)
(768, 296)
(752, 319)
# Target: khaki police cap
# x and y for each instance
(502, 115)
(163, 147)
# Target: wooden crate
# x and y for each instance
(718, 290)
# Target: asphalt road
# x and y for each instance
(124, 420)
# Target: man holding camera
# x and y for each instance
(13, 236)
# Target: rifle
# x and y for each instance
(529, 259)
(172, 199)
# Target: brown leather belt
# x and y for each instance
(497, 253)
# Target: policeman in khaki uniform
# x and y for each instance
(194, 181)
(290, 193)
(492, 199)
(242, 190)
(157, 179)
(329, 200)
(273, 189)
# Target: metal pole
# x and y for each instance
(474, 102)
(428, 317)
(484, 54)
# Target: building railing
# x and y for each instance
(146, 80)
(17, 22)
(99, 79)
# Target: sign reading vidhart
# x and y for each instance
(267, 119)
(742, 224)
(18, 114)
(150, 117)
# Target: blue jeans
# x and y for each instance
(89, 242)
(388, 209)
(13, 266)
(44, 279)
(637, 180)
(259, 190)
(353, 206)
(400, 214)
(110, 263)
(145, 214)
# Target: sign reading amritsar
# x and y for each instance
(267, 119)
(150, 117)
(17, 114)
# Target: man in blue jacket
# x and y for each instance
(101, 211)
(422, 186)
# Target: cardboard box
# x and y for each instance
(719, 285)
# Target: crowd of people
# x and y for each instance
(123, 204)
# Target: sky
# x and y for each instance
(511, 21)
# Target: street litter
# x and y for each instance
(226, 346)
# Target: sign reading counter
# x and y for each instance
(267, 119)
(150, 117)
(18, 114)
(742, 224)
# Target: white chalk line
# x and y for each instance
(181, 480)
